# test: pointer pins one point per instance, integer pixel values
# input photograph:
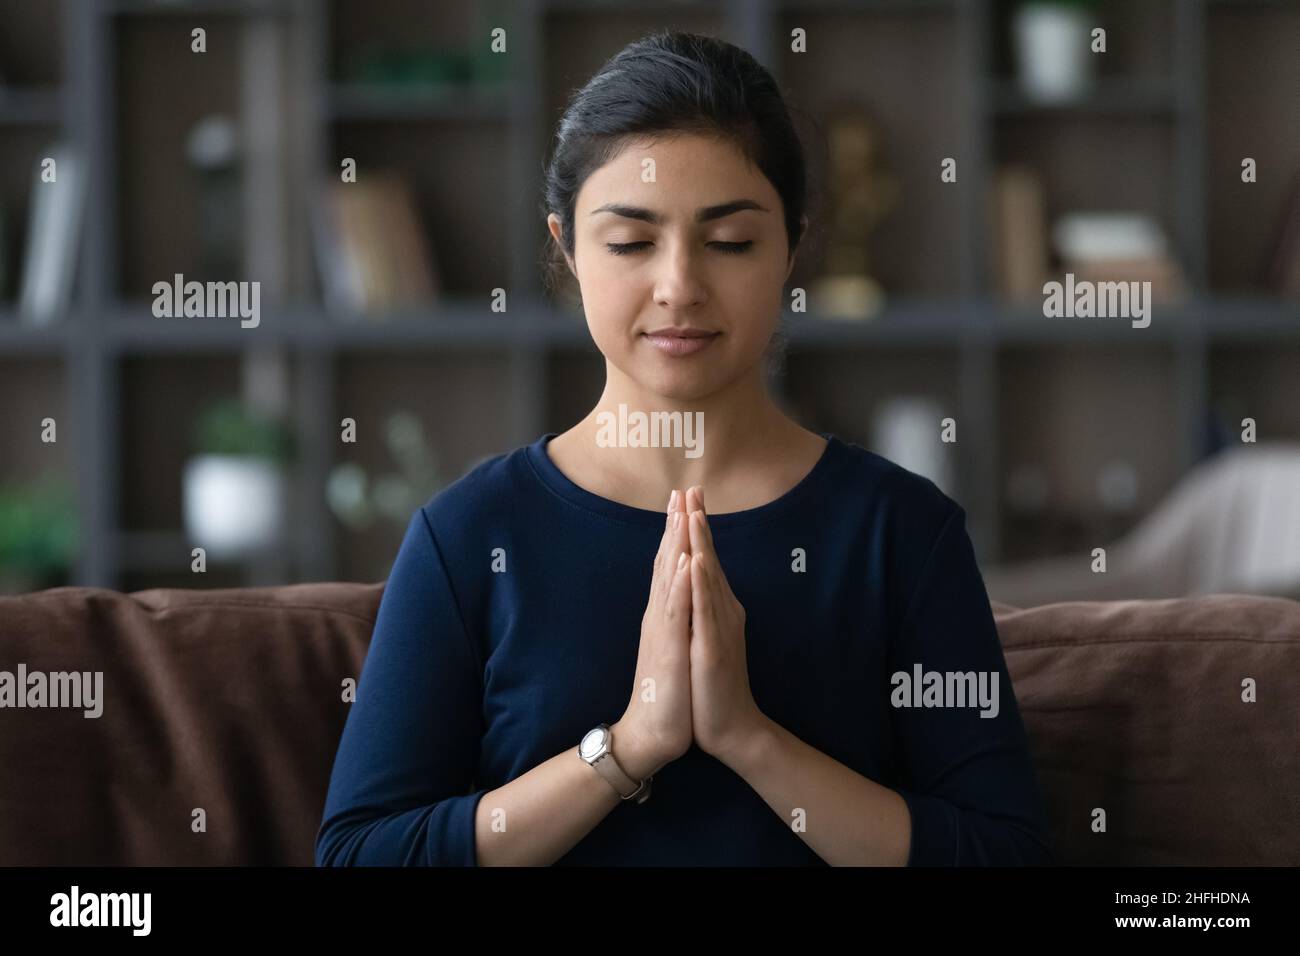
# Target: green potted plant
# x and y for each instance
(38, 535)
(235, 483)
(359, 499)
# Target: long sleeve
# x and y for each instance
(400, 790)
(970, 785)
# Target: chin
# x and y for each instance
(685, 384)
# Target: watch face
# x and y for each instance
(592, 742)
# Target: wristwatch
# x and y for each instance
(595, 750)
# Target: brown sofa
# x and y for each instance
(230, 702)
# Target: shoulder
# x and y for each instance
(888, 489)
(903, 521)
(483, 496)
(913, 531)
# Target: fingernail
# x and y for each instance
(677, 518)
(672, 500)
(681, 561)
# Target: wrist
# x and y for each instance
(752, 748)
(631, 752)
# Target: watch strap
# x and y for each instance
(609, 768)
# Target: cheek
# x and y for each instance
(749, 292)
(755, 297)
(610, 302)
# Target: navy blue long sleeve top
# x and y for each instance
(509, 627)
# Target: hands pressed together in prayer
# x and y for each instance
(692, 678)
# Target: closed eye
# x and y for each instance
(728, 248)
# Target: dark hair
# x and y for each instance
(672, 82)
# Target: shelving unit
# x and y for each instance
(1190, 85)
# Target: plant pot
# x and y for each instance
(1053, 52)
(233, 504)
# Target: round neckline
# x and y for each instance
(558, 482)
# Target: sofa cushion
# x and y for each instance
(225, 700)
(1136, 708)
(231, 701)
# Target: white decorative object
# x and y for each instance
(1108, 235)
(906, 430)
(234, 504)
(1052, 51)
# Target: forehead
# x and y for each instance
(698, 170)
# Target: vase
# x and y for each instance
(1052, 52)
(233, 504)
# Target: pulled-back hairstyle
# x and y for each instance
(673, 83)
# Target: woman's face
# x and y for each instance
(693, 241)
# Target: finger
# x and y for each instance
(701, 542)
(667, 553)
(668, 522)
(701, 545)
(708, 528)
(677, 609)
(714, 575)
(702, 597)
(681, 533)
(695, 502)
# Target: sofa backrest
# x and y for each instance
(225, 701)
(1178, 719)
(222, 711)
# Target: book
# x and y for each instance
(341, 281)
(53, 238)
(372, 251)
(1168, 283)
(1020, 233)
(1118, 246)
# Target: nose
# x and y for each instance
(677, 285)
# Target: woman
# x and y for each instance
(566, 670)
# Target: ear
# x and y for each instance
(557, 233)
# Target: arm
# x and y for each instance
(547, 810)
(971, 790)
(849, 820)
(401, 790)
(972, 796)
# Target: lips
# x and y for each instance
(677, 342)
(681, 333)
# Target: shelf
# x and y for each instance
(1028, 325)
(170, 551)
(192, 8)
(631, 7)
(18, 337)
(838, 7)
(1252, 319)
(136, 331)
(30, 106)
(131, 329)
(1110, 97)
(378, 103)
(114, 73)
(904, 322)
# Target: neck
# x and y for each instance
(737, 424)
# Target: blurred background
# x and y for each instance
(133, 149)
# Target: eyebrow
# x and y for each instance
(704, 214)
